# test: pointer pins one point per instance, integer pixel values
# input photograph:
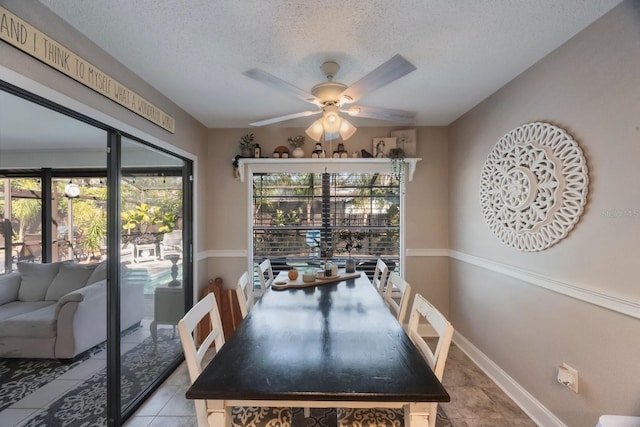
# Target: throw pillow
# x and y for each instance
(36, 279)
(100, 273)
(70, 277)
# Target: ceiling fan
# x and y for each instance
(334, 97)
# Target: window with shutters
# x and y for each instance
(300, 218)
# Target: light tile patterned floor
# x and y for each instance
(475, 399)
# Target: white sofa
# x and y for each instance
(59, 310)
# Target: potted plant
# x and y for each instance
(297, 142)
(397, 156)
(349, 241)
(246, 145)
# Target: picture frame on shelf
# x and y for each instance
(382, 146)
(406, 140)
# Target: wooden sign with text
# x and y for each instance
(28, 39)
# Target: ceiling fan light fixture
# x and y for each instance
(334, 97)
(316, 130)
(331, 120)
(331, 123)
(346, 130)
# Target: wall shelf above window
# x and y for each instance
(331, 165)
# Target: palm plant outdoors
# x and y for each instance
(140, 223)
(26, 211)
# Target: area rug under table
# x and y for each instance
(85, 405)
(319, 417)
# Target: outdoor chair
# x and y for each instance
(171, 244)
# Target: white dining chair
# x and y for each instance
(380, 275)
(194, 354)
(265, 274)
(436, 359)
(398, 308)
(244, 292)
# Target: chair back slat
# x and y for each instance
(264, 269)
(399, 308)
(424, 309)
(380, 275)
(244, 292)
(194, 353)
(206, 308)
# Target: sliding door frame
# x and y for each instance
(115, 413)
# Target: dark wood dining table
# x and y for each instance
(334, 345)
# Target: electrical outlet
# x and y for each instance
(568, 376)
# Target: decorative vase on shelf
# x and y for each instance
(246, 152)
(297, 152)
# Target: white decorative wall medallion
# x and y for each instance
(534, 186)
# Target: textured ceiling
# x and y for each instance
(195, 51)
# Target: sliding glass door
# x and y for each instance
(77, 192)
(152, 291)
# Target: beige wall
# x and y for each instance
(190, 136)
(426, 210)
(591, 87)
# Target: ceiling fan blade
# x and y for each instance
(286, 117)
(276, 83)
(389, 114)
(391, 70)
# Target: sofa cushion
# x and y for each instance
(35, 323)
(9, 287)
(36, 279)
(70, 277)
(18, 307)
(100, 273)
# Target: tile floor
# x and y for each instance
(475, 400)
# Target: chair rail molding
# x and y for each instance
(597, 297)
(427, 252)
(223, 253)
(313, 165)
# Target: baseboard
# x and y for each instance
(529, 404)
